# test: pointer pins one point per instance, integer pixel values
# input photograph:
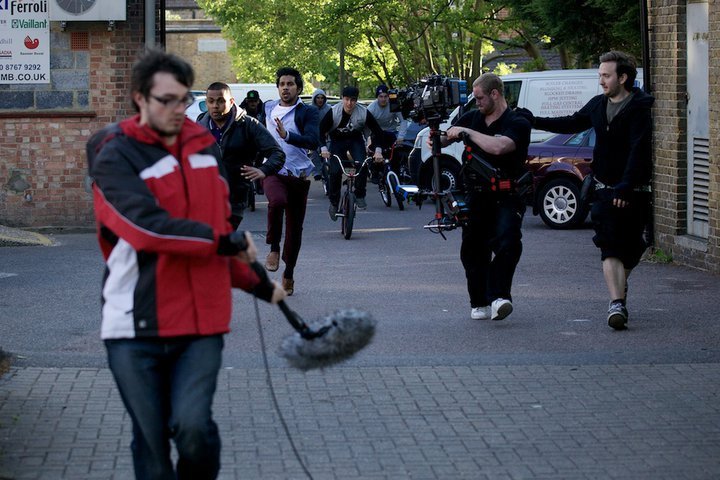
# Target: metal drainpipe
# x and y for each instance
(149, 23)
(647, 86)
(645, 31)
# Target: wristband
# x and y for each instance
(231, 245)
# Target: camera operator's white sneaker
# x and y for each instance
(480, 313)
(501, 308)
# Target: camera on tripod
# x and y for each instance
(432, 98)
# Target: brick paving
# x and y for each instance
(420, 422)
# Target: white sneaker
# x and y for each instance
(501, 308)
(480, 313)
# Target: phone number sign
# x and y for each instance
(24, 41)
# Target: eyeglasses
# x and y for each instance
(172, 103)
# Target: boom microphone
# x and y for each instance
(321, 344)
(335, 338)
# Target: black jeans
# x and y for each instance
(359, 153)
(491, 245)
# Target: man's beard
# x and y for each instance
(165, 132)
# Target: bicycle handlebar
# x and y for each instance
(363, 164)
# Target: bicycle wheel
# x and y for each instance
(392, 182)
(385, 192)
(349, 215)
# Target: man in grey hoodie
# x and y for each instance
(319, 101)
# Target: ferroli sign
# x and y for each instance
(24, 42)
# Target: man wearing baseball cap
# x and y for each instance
(254, 106)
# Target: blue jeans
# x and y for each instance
(167, 386)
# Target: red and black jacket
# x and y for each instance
(160, 220)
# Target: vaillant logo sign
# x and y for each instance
(29, 23)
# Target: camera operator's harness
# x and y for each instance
(451, 210)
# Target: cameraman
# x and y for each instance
(501, 137)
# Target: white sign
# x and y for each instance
(24, 42)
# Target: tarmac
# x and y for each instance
(595, 421)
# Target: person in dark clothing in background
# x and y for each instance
(345, 125)
(622, 169)
(318, 101)
(254, 107)
(242, 139)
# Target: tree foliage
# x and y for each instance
(582, 29)
(366, 42)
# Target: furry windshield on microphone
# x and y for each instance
(345, 333)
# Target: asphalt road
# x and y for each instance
(410, 280)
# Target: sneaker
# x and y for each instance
(288, 284)
(333, 212)
(272, 262)
(480, 313)
(617, 316)
(501, 308)
(361, 203)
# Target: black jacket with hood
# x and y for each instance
(243, 140)
(622, 156)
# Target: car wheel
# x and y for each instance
(449, 175)
(559, 204)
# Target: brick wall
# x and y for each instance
(43, 128)
(713, 257)
(209, 66)
(668, 56)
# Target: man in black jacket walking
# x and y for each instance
(242, 139)
(622, 167)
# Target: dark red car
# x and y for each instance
(559, 165)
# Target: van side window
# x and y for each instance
(512, 92)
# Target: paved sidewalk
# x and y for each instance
(12, 237)
(481, 422)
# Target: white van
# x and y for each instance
(552, 93)
(267, 91)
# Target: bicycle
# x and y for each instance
(348, 206)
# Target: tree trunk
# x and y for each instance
(565, 61)
(341, 51)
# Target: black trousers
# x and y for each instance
(619, 232)
(491, 245)
(359, 153)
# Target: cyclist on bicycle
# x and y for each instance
(345, 124)
(392, 123)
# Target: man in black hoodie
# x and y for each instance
(242, 139)
(622, 168)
